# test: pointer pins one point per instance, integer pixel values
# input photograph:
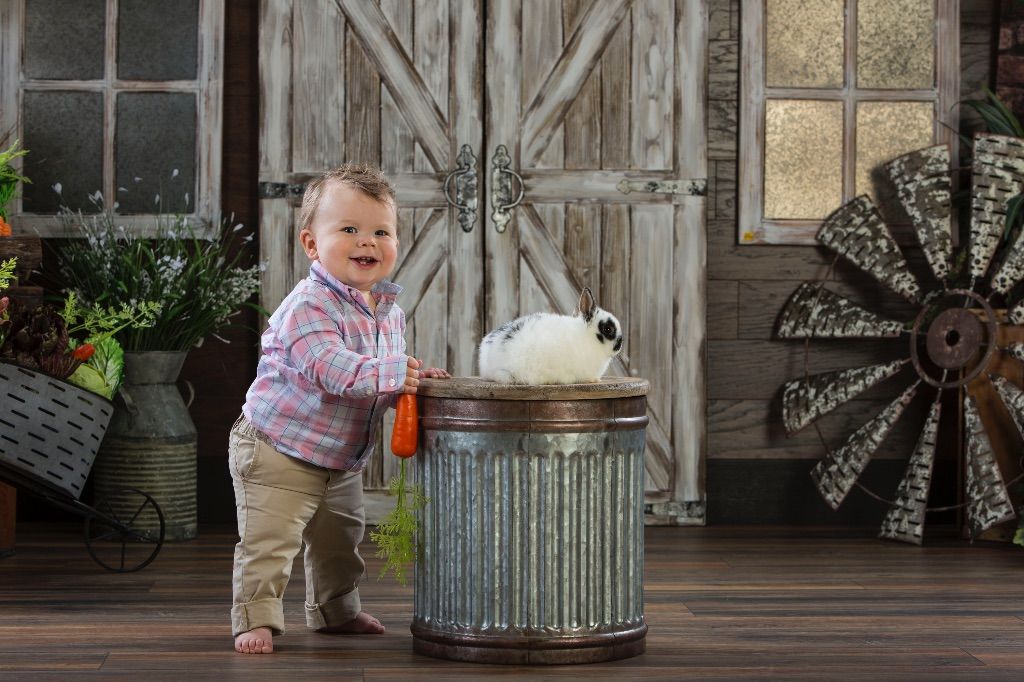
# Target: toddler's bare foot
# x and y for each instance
(363, 624)
(255, 641)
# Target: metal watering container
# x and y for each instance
(532, 542)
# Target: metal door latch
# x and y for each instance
(281, 190)
(696, 187)
(465, 187)
(501, 188)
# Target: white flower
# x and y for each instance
(57, 188)
(174, 173)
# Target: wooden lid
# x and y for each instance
(482, 389)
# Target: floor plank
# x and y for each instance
(721, 603)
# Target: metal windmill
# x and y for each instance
(951, 341)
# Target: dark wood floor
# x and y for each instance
(721, 604)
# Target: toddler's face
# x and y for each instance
(353, 236)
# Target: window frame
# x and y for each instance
(753, 227)
(207, 88)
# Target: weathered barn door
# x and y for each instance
(598, 105)
(398, 84)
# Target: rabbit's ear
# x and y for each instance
(587, 304)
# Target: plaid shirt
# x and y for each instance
(329, 371)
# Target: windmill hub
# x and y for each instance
(953, 338)
(959, 337)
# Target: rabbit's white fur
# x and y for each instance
(545, 348)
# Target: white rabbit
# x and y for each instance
(545, 348)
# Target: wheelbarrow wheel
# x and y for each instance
(115, 540)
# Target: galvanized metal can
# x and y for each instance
(532, 540)
(150, 445)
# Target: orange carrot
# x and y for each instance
(403, 436)
(5, 228)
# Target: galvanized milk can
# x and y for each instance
(151, 445)
(532, 541)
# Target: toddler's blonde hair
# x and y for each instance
(366, 178)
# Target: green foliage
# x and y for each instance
(6, 275)
(7, 272)
(9, 178)
(996, 115)
(100, 323)
(198, 282)
(396, 534)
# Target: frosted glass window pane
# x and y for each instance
(886, 130)
(64, 136)
(156, 136)
(895, 44)
(64, 40)
(803, 158)
(804, 43)
(157, 40)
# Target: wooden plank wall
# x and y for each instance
(755, 474)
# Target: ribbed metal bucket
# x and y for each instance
(151, 446)
(532, 541)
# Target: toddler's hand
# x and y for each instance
(435, 373)
(412, 376)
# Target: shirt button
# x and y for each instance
(391, 382)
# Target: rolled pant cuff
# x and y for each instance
(260, 613)
(337, 611)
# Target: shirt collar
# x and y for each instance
(385, 289)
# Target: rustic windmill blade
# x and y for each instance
(1012, 397)
(997, 175)
(804, 400)
(905, 520)
(988, 501)
(1016, 350)
(1016, 314)
(816, 312)
(856, 232)
(835, 475)
(922, 183)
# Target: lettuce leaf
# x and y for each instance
(103, 371)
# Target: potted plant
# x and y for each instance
(199, 282)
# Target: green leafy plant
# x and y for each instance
(198, 282)
(997, 117)
(48, 340)
(103, 362)
(6, 275)
(396, 534)
(9, 178)
(7, 272)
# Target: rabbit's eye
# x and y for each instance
(608, 330)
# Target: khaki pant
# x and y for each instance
(283, 503)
